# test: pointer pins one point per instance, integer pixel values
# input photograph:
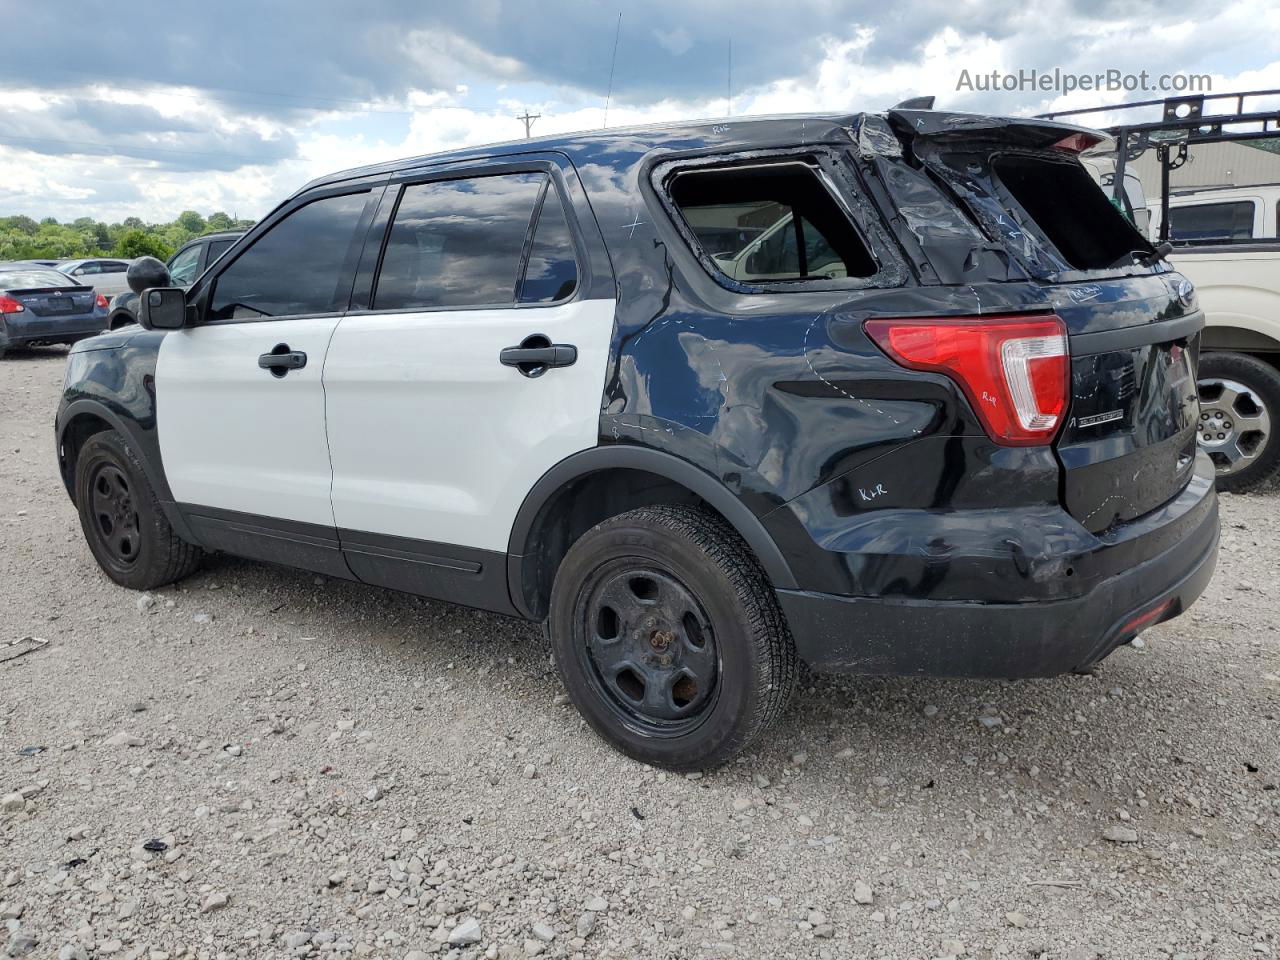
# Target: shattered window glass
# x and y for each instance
(770, 223)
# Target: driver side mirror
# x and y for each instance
(162, 308)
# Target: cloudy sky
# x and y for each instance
(112, 110)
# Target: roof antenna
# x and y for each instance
(728, 86)
(612, 63)
(915, 103)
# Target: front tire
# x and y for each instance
(122, 520)
(1240, 419)
(669, 638)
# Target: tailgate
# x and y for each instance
(1128, 444)
(1129, 441)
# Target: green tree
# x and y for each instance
(191, 221)
(139, 243)
(219, 221)
(21, 224)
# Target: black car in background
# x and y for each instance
(39, 305)
(189, 262)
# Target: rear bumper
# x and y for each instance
(45, 330)
(907, 636)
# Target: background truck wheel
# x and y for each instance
(122, 521)
(1239, 407)
(669, 638)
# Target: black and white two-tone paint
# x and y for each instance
(894, 393)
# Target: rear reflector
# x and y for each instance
(10, 305)
(1013, 369)
(1144, 620)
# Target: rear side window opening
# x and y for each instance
(1072, 211)
(770, 223)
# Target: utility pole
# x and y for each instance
(528, 119)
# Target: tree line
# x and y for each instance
(22, 238)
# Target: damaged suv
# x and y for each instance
(886, 394)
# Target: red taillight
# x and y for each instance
(101, 301)
(1078, 142)
(10, 305)
(1014, 370)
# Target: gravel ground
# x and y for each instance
(261, 763)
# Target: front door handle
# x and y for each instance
(281, 360)
(536, 354)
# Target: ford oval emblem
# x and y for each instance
(1185, 290)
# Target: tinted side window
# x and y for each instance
(457, 242)
(184, 266)
(217, 248)
(114, 266)
(1212, 221)
(299, 266)
(551, 273)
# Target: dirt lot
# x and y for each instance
(261, 763)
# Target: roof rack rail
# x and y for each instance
(1184, 122)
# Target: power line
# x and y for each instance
(613, 61)
(528, 119)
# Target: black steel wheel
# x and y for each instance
(650, 648)
(669, 638)
(115, 520)
(122, 520)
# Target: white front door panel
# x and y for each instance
(233, 435)
(433, 439)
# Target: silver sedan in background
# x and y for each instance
(105, 274)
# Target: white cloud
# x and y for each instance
(677, 41)
(846, 73)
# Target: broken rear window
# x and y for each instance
(770, 223)
(1071, 211)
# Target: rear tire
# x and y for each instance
(122, 520)
(1239, 424)
(669, 638)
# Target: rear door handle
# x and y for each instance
(281, 360)
(537, 354)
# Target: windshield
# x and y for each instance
(19, 279)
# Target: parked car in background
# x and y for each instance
(916, 440)
(40, 305)
(107, 275)
(190, 260)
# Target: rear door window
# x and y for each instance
(1210, 222)
(551, 272)
(216, 249)
(770, 223)
(461, 243)
(114, 266)
(302, 265)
